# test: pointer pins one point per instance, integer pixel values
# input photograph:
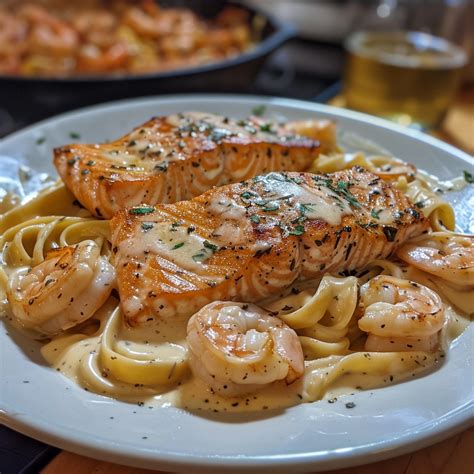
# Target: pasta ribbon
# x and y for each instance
(322, 321)
(387, 167)
(439, 212)
(29, 242)
(321, 374)
(159, 369)
(54, 200)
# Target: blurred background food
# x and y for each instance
(58, 55)
(66, 39)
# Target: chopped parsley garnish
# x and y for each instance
(304, 208)
(138, 211)
(255, 219)
(199, 257)
(84, 172)
(375, 214)
(420, 204)
(266, 127)
(177, 246)
(259, 110)
(246, 195)
(298, 230)
(468, 177)
(210, 246)
(40, 140)
(146, 226)
(90, 163)
(342, 188)
(271, 206)
(74, 135)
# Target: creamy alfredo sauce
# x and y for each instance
(78, 356)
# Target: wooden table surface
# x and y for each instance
(452, 456)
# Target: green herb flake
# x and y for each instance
(344, 191)
(247, 195)
(177, 246)
(199, 257)
(40, 140)
(420, 204)
(90, 163)
(375, 214)
(74, 135)
(271, 206)
(266, 127)
(140, 211)
(255, 219)
(146, 226)
(305, 208)
(259, 110)
(298, 230)
(468, 177)
(210, 246)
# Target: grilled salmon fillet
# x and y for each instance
(250, 240)
(178, 157)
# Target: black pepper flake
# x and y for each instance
(390, 233)
(73, 160)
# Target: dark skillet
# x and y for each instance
(28, 99)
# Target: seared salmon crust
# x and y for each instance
(178, 157)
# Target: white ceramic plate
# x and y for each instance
(385, 422)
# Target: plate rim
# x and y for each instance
(414, 439)
(264, 100)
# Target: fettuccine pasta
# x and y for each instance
(315, 340)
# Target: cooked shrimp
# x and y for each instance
(443, 254)
(237, 348)
(92, 59)
(68, 287)
(152, 23)
(12, 34)
(48, 33)
(400, 314)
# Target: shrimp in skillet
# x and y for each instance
(443, 254)
(48, 34)
(400, 315)
(67, 288)
(238, 348)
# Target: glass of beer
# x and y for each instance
(408, 77)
